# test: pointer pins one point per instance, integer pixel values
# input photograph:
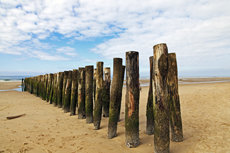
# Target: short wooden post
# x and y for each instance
(132, 100)
(59, 90)
(98, 96)
(149, 107)
(68, 93)
(25, 89)
(41, 86)
(64, 87)
(161, 106)
(120, 96)
(114, 98)
(74, 94)
(106, 92)
(174, 101)
(89, 94)
(81, 93)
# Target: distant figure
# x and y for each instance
(139, 87)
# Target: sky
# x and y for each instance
(49, 36)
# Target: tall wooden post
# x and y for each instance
(120, 96)
(114, 99)
(54, 97)
(132, 100)
(174, 101)
(89, 94)
(94, 83)
(98, 96)
(74, 94)
(161, 106)
(41, 86)
(68, 92)
(59, 90)
(81, 93)
(64, 87)
(106, 92)
(149, 108)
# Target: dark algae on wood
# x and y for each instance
(132, 100)
(68, 93)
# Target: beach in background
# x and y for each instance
(205, 109)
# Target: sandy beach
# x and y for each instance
(205, 109)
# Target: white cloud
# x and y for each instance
(67, 51)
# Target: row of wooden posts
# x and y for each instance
(93, 96)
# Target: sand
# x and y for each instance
(205, 114)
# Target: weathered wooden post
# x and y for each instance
(132, 100)
(149, 108)
(25, 89)
(94, 83)
(81, 93)
(89, 94)
(41, 86)
(31, 85)
(54, 96)
(74, 94)
(35, 89)
(68, 93)
(45, 86)
(114, 98)
(120, 96)
(98, 96)
(64, 87)
(161, 106)
(51, 89)
(174, 101)
(106, 92)
(49, 86)
(59, 91)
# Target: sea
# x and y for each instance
(12, 78)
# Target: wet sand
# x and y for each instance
(205, 114)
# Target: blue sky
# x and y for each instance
(49, 36)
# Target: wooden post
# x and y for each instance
(68, 93)
(54, 96)
(114, 99)
(49, 85)
(40, 86)
(74, 94)
(50, 94)
(64, 87)
(45, 86)
(106, 92)
(132, 100)
(120, 96)
(89, 94)
(94, 83)
(149, 107)
(37, 85)
(98, 96)
(161, 106)
(81, 93)
(59, 91)
(174, 101)
(25, 89)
